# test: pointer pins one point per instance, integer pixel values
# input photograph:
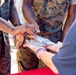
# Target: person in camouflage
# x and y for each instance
(49, 16)
(8, 12)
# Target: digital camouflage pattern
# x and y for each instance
(4, 42)
(49, 14)
(4, 9)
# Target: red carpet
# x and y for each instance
(42, 71)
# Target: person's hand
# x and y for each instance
(34, 46)
(36, 27)
(23, 30)
(54, 47)
(20, 41)
(33, 27)
(20, 33)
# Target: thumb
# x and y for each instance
(37, 29)
(25, 45)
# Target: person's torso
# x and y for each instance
(50, 13)
(4, 13)
(5, 9)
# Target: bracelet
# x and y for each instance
(17, 24)
(39, 51)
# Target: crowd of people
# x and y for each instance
(45, 18)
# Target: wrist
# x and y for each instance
(17, 24)
(40, 51)
(12, 31)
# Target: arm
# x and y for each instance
(69, 20)
(56, 47)
(48, 62)
(9, 28)
(5, 26)
(42, 54)
(28, 13)
(16, 22)
(13, 14)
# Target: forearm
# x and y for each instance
(69, 20)
(46, 57)
(28, 14)
(6, 27)
(14, 16)
(42, 54)
(67, 25)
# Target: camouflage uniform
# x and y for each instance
(49, 14)
(4, 43)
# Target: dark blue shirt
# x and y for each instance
(65, 59)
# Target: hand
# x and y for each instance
(34, 27)
(54, 47)
(34, 46)
(20, 41)
(31, 27)
(22, 31)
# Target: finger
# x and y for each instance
(30, 32)
(46, 46)
(32, 27)
(21, 41)
(28, 35)
(37, 29)
(25, 45)
(31, 37)
(18, 45)
(36, 26)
